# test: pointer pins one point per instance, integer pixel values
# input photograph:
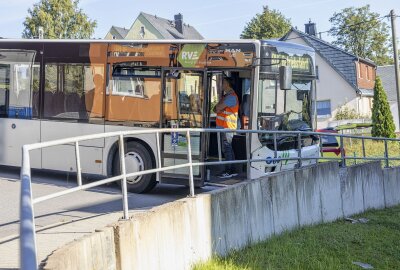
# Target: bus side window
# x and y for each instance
(74, 91)
(134, 96)
(4, 89)
(18, 74)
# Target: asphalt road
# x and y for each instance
(75, 206)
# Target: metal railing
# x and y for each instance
(28, 257)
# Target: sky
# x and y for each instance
(214, 19)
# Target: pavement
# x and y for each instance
(64, 219)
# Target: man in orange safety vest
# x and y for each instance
(227, 110)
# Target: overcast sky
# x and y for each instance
(214, 19)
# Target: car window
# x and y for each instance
(329, 141)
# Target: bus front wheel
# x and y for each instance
(137, 158)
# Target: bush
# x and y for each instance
(382, 119)
(345, 112)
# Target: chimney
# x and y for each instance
(311, 28)
(179, 22)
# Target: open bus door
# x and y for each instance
(183, 106)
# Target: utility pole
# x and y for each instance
(396, 60)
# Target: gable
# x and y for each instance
(342, 62)
(167, 28)
(150, 31)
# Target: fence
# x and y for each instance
(27, 221)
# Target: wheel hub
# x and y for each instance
(133, 163)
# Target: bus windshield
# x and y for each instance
(284, 109)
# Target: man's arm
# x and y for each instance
(220, 106)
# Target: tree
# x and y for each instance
(269, 24)
(362, 33)
(382, 119)
(59, 19)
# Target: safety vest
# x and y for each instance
(229, 116)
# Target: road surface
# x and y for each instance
(84, 210)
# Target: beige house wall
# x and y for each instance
(331, 86)
(150, 31)
(111, 34)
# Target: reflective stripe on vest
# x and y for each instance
(229, 116)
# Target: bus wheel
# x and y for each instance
(137, 158)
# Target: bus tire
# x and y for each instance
(137, 158)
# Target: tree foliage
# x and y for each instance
(382, 119)
(361, 32)
(268, 24)
(61, 19)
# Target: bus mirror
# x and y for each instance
(285, 77)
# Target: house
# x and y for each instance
(343, 79)
(388, 77)
(148, 26)
(117, 33)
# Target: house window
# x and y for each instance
(317, 72)
(324, 108)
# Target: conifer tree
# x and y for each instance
(382, 119)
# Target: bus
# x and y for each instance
(53, 89)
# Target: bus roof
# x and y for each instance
(253, 41)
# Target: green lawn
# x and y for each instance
(326, 246)
(373, 148)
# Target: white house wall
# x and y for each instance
(330, 86)
(395, 113)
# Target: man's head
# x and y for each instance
(227, 84)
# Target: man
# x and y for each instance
(227, 116)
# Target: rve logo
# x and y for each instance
(190, 56)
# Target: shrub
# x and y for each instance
(382, 119)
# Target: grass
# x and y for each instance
(374, 148)
(326, 246)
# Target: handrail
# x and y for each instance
(27, 225)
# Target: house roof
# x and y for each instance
(120, 31)
(167, 28)
(338, 59)
(388, 77)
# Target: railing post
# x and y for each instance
(342, 152)
(321, 150)
(299, 162)
(219, 146)
(363, 147)
(191, 182)
(386, 155)
(275, 146)
(158, 155)
(248, 154)
(27, 232)
(78, 164)
(123, 173)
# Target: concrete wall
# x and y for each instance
(179, 234)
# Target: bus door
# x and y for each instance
(214, 91)
(183, 106)
(19, 83)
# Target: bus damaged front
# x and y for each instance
(284, 110)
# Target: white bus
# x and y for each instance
(53, 89)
